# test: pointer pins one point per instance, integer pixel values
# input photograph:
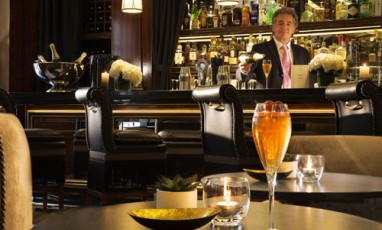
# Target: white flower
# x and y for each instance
(327, 62)
(127, 71)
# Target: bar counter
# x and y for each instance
(62, 111)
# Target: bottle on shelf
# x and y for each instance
(186, 53)
(236, 15)
(323, 49)
(203, 13)
(210, 17)
(178, 58)
(193, 54)
(307, 15)
(263, 9)
(245, 15)
(341, 10)
(272, 7)
(213, 52)
(216, 18)
(365, 8)
(226, 20)
(319, 13)
(55, 56)
(195, 16)
(377, 8)
(328, 10)
(233, 51)
(353, 9)
(241, 46)
(341, 49)
(187, 18)
(255, 13)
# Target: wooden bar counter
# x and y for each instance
(62, 111)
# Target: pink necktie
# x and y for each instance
(286, 68)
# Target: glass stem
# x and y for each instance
(271, 188)
(266, 83)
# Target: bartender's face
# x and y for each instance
(283, 28)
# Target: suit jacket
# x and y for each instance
(275, 79)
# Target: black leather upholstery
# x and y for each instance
(47, 149)
(358, 108)
(121, 162)
(223, 136)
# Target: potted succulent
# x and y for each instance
(179, 192)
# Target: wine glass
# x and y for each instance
(267, 66)
(271, 130)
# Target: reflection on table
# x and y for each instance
(287, 217)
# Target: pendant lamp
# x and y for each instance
(227, 2)
(132, 6)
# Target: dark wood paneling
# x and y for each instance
(23, 44)
(131, 38)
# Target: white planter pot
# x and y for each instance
(166, 199)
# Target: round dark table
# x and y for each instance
(331, 187)
(287, 217)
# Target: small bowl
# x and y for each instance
(176, 218)
(262, 176)
(60, 75)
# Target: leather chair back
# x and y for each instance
(99, 119)
(6, 102)
(358, 108)
(15, 175)
(222, 121)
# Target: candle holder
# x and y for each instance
(231, 195)
(310, 167)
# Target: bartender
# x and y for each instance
(280, 50)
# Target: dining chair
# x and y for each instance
(122, 163)
(47, 149)
(358, 107)
(226, 145)
(15, 175)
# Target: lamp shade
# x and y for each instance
(227, 2)
(132, 6)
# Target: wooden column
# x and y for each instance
(131, 38)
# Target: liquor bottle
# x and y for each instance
(204, 52)
(377, 8)
(323, 49)
(193, 54)
(195, 16)
(307, 15)
(250, 43)
(213, 52)
(255, 13)
(224, 52)
(236, 15)
(203, 13)
(245, 15)
(81, 58)
(226, 17)
(186, 53)
(41, 59)
(272, 7)
(328, 10)
(187, 18)
(216, 19)
(364, 8)
(353, 9)
(341, 10)
(241, 46)
(263, 9)
(250, 57)
(55, 56)
(233, 51)
(341, 49)
(178, 59)
(210, 17)
(319, 13)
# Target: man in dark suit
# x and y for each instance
(284, 24)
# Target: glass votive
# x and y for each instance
(231, 195)
(310, 167)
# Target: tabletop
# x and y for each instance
(331, 187)
(286, 217)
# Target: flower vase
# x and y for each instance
(122, 85)
(325, 78)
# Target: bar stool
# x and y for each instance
(358, 108)
(47, 149)
(227, 147)
(122, 163)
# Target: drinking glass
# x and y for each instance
(223, 75)
(271, 130)
(185, 78)
(267, 66)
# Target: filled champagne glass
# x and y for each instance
(271, 130)
(267, 66)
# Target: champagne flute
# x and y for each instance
(267, 66)
(271, 130)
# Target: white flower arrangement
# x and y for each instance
(327, 62)
(127, 70)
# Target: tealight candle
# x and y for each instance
(364, 71)
(105, 79)
(227, 206)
